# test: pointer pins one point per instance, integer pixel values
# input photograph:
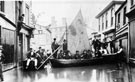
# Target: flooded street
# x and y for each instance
(97, 73)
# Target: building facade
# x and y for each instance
(122, 27)
(9, 15)
(58, 30)
(131, 16)
(106, 18)
(8, 33)
(24, 27)
(42, 37)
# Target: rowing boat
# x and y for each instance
(83, 62)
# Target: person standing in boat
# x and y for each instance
(64, 46)
(112, 46)
(54, 46)
(96, 43)
(120, 56)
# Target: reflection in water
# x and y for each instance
(99, 73)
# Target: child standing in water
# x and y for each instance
(1, 60)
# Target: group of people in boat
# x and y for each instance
(99, 49)
(37, 56)
(85, 54)
(64, 53)
(40, 55)
(102, 47)
(67, 55)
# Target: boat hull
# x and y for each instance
(82, 62)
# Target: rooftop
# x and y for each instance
(109, 6)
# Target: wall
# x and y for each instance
(10, 10)
(116, 6)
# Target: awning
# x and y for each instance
(122, 35)
(109, 31)
(131, 13)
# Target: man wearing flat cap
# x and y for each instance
(1, 60)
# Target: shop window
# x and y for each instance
(2, 6)
(124, 16)
(132, 2)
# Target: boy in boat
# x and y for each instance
(89, 53)
(31, 56)
(77, 55)
(67, 55)
(97, 53)
(60, 55)
(84, 54)
(103, 50)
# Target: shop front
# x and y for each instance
(8, 41)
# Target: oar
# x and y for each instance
(49, 57)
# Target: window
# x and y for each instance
(119, 18)
(27, 14)
(102, 22)
(106, 20)
(99, 25)
(40, 31)
(112, 10)
(18, 9)
(2, 6)
(132, 2)
(124, 16)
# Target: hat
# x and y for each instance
(54, 38)
(64, 40)
(1, 47)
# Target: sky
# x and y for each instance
(45, 9)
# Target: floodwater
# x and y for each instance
(96, 73)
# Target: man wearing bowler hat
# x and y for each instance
(1, 60)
